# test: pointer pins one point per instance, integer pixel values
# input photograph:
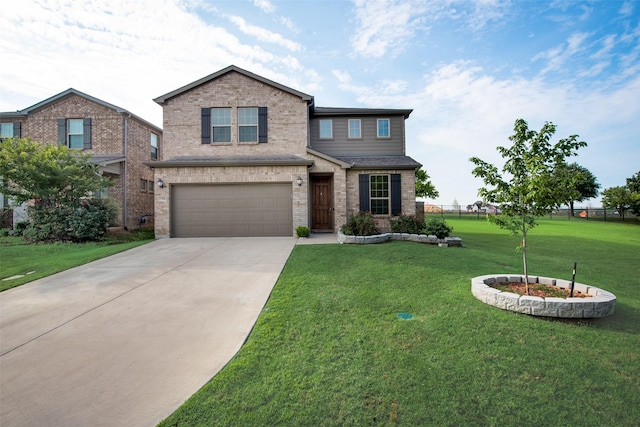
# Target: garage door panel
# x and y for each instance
(231, 210)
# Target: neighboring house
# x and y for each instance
(246, 156)
(118, 141)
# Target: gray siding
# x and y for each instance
(368, 145)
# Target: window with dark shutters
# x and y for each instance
(262, 124)
(363, 180)
(17, 130)
(206, 125)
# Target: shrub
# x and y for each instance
(360, 224)
(438, 227)
(407, 224)
(303, 231)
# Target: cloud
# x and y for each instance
(384, 25)
(264, 35)
(558, 56)
(264, 5)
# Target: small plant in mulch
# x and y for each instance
(537, 290)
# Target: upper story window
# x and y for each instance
(326, 129)
(379, 192)
(355, 129)
(154, 146)
(384, 128)
(221, 124)
(6, 130)
(247, 125)
(75, 133)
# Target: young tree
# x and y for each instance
(424, 187)
(57, 179)
(618, 198)
(525, 189)
(578, 183)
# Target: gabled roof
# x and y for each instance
(232, 68)
(380, 162)
(333, 111)
(70, 92)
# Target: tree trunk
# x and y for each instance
(571, 207)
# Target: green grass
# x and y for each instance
(19, 258)
(329, 349)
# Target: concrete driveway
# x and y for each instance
(127, 339)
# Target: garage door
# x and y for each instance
(231, 210)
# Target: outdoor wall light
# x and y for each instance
(299, 181)
(160, 183)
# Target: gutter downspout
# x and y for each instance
(124, 174)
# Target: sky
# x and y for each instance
(468, 69)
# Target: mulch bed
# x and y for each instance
(537, 290)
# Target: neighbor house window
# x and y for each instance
(150, 186)
(143, 185)
(383, 128)
(354, 128)
(326, 129)
(6, 130)
(75, 133)
(379, 193)
(247, 125)
(221, 124)
(154, 146)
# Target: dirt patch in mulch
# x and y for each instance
(537, 290)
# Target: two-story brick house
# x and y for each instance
(118, 141)
(246, 156)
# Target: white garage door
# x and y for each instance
(231, 210)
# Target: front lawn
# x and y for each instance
(329, 348)
(45, 259)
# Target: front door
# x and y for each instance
(322, 203)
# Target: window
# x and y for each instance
(379, 194)
(143, 185)
(221, 124)
(354, 128)
(154, 146)
(326, 129)
(6, 130)
(247, 125)
(383, 128)
(75, 133)
(150, 186)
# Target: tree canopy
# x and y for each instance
(578, 183)
(526, 187)
(424, 187)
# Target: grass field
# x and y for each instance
(19, 258)
(329, 348)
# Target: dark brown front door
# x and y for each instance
(322, 203)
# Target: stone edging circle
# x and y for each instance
(600, 304)
(380, 238)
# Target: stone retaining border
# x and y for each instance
(600, 304)
(381, 238)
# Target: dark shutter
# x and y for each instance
(86, 134)
(396, 194)
(365, 203)
(62, 131)
(17, 130)
(206, 126)
(262, 124)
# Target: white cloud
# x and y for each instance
(264, 5)
(384, 25)
(560, 55)
(264, 35)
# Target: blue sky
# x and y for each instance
(468, 69)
